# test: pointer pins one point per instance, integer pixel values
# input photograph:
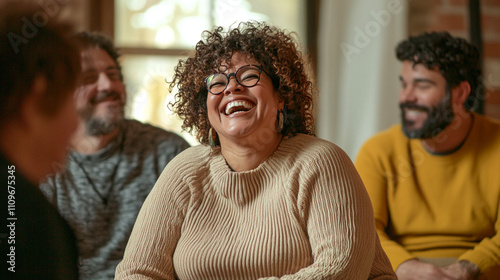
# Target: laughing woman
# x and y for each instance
(263, 198)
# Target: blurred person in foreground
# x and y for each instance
(113, 162)
(39, 66)
(434, 179)
(262, 198)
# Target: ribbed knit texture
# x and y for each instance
(436, 206)
(301, 214)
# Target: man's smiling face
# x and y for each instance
(425, 102)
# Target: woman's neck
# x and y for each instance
(245, 156)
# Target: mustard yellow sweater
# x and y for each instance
(436, 206)
(302, 214)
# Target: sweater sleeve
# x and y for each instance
(48, 189)
(375, 178)
(150, 249)
(486, 255)
(339, 221)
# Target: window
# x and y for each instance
(154, 34)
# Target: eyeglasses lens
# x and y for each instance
(247, 76)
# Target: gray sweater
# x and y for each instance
(101, 194)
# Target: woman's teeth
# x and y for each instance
(236, 106)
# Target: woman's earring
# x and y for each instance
(212, 137)
(281, 120)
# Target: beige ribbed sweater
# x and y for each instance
(302, 214)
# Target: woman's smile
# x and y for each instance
(237, 107)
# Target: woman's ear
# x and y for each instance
(281, 101)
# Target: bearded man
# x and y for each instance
(434, 180)
(113, 163)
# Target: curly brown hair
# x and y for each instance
(272, 47)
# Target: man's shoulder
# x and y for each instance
(384, 144)
(137, 127)
(148, 133)
(389, 137)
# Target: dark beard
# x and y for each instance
(438, 118)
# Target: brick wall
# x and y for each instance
(453, 16)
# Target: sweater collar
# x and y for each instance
(242, 187)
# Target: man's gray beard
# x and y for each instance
(438, 118)
(99, 126)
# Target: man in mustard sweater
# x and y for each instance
(434, 180)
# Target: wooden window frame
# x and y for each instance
(100, 15)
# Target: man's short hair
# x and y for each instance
(456, 59)
(86, 40)
(34, 44)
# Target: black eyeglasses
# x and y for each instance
(247, 76)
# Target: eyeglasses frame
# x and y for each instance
(228, 76)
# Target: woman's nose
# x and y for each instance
(233, 86)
